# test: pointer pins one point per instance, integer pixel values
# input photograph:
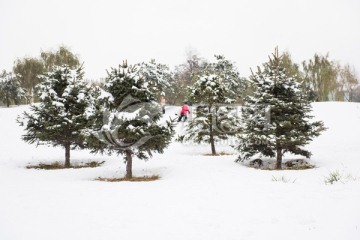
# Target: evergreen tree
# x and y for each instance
(214, 92)
(276, 119)
(230, 76)
(10, 89)
(127, 117)
(62, 115)
(158, 77)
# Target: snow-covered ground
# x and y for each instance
(198, 197)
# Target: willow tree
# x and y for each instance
(320, 76)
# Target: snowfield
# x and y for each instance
(198, 197)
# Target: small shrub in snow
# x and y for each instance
(282, 179)
(334, 177)
(350, 177)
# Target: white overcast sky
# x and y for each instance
(105, 32)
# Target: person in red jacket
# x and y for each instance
(184, 112)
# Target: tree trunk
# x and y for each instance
(32, 95)
(278, 157)
(8, 102)
(212, 142)
(67, 155)
(350, 96)
(128, 164)
(211, 131)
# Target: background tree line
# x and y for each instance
(324, 79)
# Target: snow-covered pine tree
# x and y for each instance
(130, 117)
(214, 92)
(230, 76)
(62, 114)
(276, 119)
(10, 88)
(158, 76)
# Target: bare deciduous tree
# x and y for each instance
(348, 82)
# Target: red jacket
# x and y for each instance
(185, 109)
